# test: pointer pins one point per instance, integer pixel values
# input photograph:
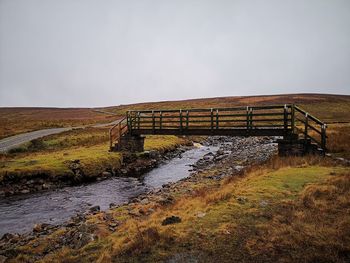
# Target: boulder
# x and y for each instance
(95, 209)
(171, 220)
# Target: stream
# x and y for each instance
(18, 214)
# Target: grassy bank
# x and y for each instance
(290, 210)
(53, 155)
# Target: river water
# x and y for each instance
(18, 214)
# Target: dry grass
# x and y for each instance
(290, 210)
(19, 120)
(339, 139)
(315, 228)
(228, 221)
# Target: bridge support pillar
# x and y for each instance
(296, 147)
(131, 143)
(291, 147)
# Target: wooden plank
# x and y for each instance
(223, 132)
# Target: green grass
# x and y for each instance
(94, 159)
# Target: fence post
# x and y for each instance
(180, 120)
(211, 119)
(187, 117)
(160, 120)
(110, 139)
(248, 119)
(306, 125)
(138, 120)
(217, 118)
(293, 118)
(285, 118)
(119, 130)
(129, 121)
(153, 122)
(323, 138)
(251, 118)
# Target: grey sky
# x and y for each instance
(99, 53)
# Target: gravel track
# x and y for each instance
(16, 140)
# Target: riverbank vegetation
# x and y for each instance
(53, 155)
(288, 210)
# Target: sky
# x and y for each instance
(85, 53)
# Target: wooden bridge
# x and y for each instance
(294, 124)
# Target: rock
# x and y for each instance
(106, 174)
(112, 205)
(263, 203)
(2, 259)
(25, 191)
(41, 227)
(220, 152)
(171, 220)
(95, 209)
(166, 200)
(241, 199)
(113, 224)
(9, 236)
(35, 244)
(144, 201)
(154, 154)
(45, 186)
(201, 214)
(123, 171)
(220, 157)
(134, 213)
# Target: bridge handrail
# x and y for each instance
(305, 121)
(241, 108)
(117, 131)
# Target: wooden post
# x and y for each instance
(180, 120)
(129, 121)
(110, 139)
(293, 118)
(153, 122)
(306, 125)
(138, 119)
(248, 121)
(119, 130)
(285, 118)
(251, 118)
(187, 119)
(323, 137)
(211, 119)
(217, 119)
(160, 120)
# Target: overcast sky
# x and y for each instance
(99, 52)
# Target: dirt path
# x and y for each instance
(16, 140)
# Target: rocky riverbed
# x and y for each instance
(233, 156)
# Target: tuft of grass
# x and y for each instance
(339, 140)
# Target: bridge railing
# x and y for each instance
(278, 120)
(310, 127)
(245, 118)
(117, 131)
